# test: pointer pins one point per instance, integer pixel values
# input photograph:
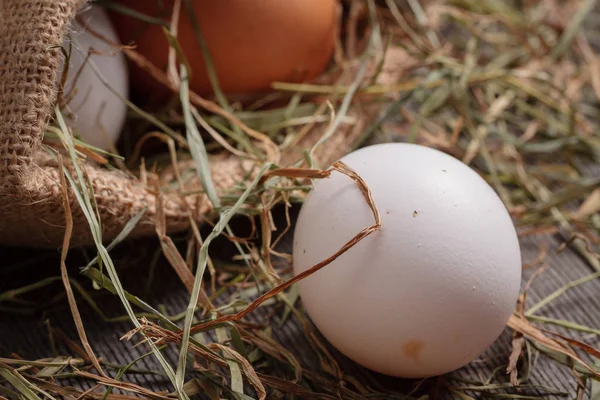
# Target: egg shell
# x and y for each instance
(429, 292)
(95, 112)
(252, 43)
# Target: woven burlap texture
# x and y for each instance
(31, 204)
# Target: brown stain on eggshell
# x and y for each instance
(413, 348)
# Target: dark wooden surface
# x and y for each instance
(28, 335)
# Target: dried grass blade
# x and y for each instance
(123, 371)
(237, 379)
(246, 367)
(564, 324)
(518, 342)
(590, 206)
(178, 263)
(235, 371)
(125, 232)
(11, 295)
(296, 173)
(584, 346)
(171, 37)
(168, 247)
(65, 275)
(404, 25)
(347, 99)
(197, 148)
(19, 382)
(528, 330)
(127, 386)
(532, 310)
(217, 137)
(574, 26)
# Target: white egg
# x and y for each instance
(94, 112)
(429, 292)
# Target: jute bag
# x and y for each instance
(31, 203)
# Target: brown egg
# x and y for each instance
(252, 43)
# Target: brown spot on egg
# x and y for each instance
(413, 348)
(415, 213)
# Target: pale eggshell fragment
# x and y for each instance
(435, 287)
(95, 113)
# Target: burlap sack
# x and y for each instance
(31, 210)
